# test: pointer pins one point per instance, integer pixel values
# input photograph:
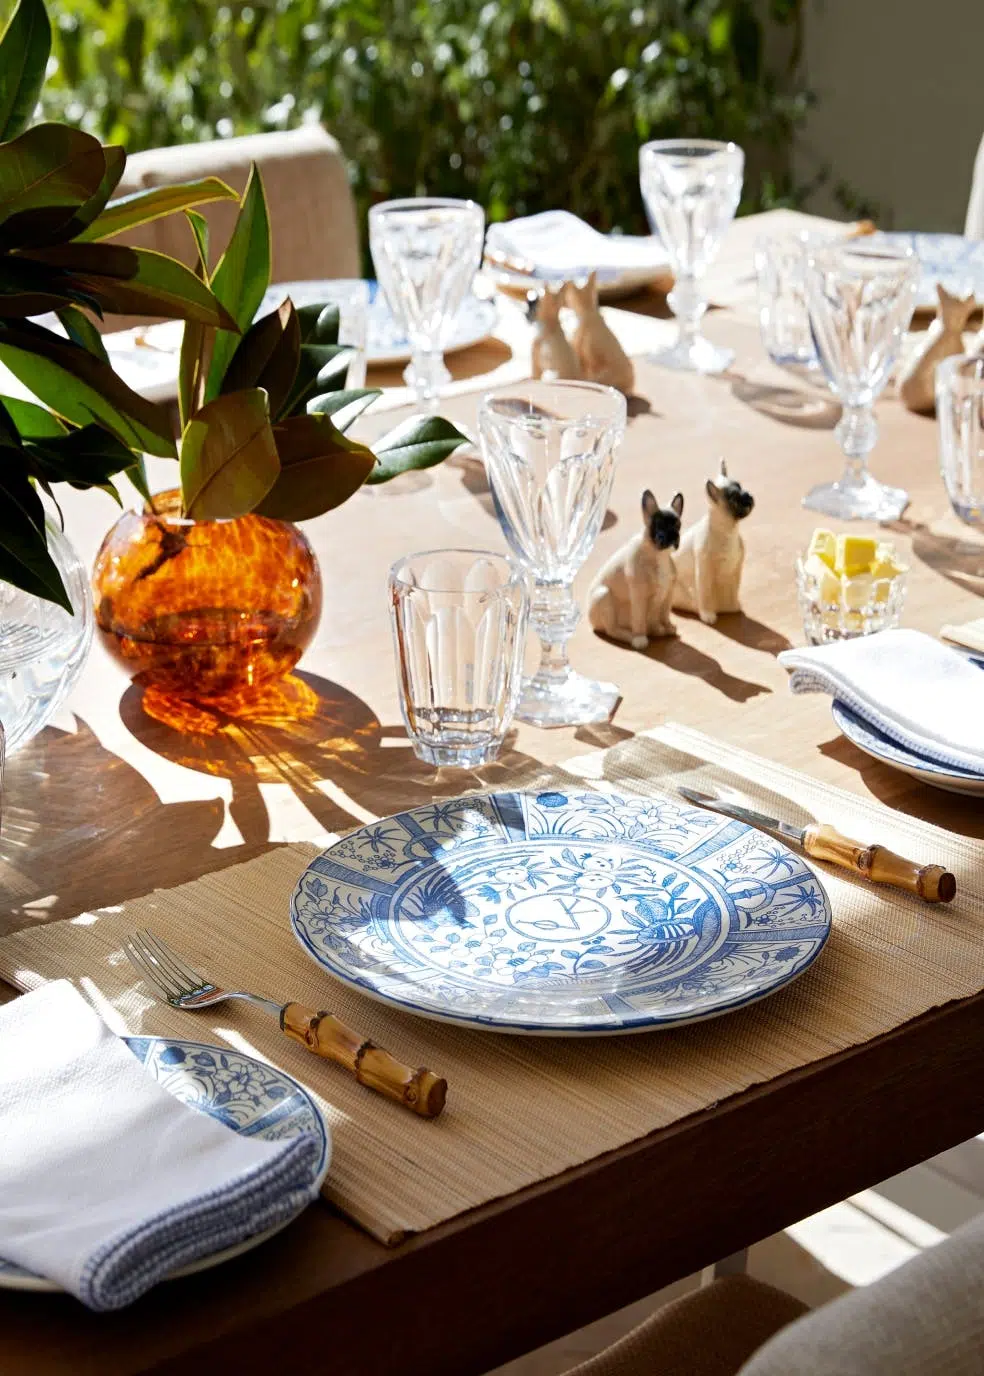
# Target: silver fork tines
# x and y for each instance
(177, 982)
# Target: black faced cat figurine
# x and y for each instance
(712, 552)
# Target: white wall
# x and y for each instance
(900, 105)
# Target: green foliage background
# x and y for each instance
(523, 104)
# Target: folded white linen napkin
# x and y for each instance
(107, 1182)
(557, 244)
(921, 694)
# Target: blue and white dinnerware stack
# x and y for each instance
(905, 699)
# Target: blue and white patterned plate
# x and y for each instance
(252, 1098)
(881, 747)
(948, 258)
(561, 914)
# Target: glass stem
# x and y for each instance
(553, 615)
(856, 432)
(688, 305)
(427, 375)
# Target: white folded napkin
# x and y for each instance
(107, 1182)
(921, 694)
(556, 244)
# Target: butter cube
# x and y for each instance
(884, 570)
(855, 554)
(857, 591)
(828, 585)
(823, 543)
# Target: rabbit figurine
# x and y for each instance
(712, 552)
(553, 356)
(599, 353)
(630, 598)
(917, 385)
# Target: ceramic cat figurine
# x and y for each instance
(553, 356)
(944, 338)
(712, 552)
(599, 353)
(630, 598)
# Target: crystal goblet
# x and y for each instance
(860, 299)
(691, 189)
(960, 411)
(549, 450)
(426, 251)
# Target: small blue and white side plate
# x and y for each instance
(881, 747)
(561, 913)
(252, 1098)
(956, 262)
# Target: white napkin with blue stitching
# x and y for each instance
(107, 1182)
(922, 695)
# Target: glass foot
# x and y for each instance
(858, 499)
(694, 356)
(571, 701)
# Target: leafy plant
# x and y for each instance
(524, 105)
(264, 413)
(55, 214)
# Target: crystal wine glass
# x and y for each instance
(426, 252)
(691, 189)
(549, 450)
(860, 298)
(960, 410)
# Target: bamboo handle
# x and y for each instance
(421, 1091)
(879, 864)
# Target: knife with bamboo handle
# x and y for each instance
(933, 883)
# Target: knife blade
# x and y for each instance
(820, 841)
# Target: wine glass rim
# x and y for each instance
(520, 391)
(516, 576)
(891, 251)
(425, 203)
(699, 145)
(949, 366)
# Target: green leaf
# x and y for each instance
(228, 457)
(81, 331)
(81, 388)
(344, 407)
(137, 473)
(199, 229)
(32, 421)
(87, 457)
(135, 281)
(420, 442)
(319, 324)
(267, 357)
(10, 437)
(52, 169)
(319, 469)
(241, 277)
(321, 368)
(24, 557)
(84, 216)
(143, 206)
(24, 50)
(28, 288)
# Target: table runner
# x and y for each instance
(523, 1109)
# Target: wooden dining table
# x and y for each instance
(106, 804)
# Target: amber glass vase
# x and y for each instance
(205, 609)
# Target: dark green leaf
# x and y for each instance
(135, 281)
(420, 442)
(84, 216)
(199, 230)
(267, 357)
(343, 407)
(228, 457)
(10, 437)
(24, 50)
(81, 388)
(137, 473)
(143, 206)
(28, 288)
(319, 469)
(319, 324)
(87, 457)
(32, 421)
(24, 557)
(241, 277)
(81, 331)
(321, 368)
(51, 169)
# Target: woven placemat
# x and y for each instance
(523, 1109)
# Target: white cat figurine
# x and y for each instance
(630, 598)
(712, 552)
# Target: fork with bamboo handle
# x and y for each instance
(177, 983)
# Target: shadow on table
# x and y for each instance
(317, 738)
(901, 791)
(805, 408)
(82, 829)
(961, 560)
(677, 654)
(755, 634)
